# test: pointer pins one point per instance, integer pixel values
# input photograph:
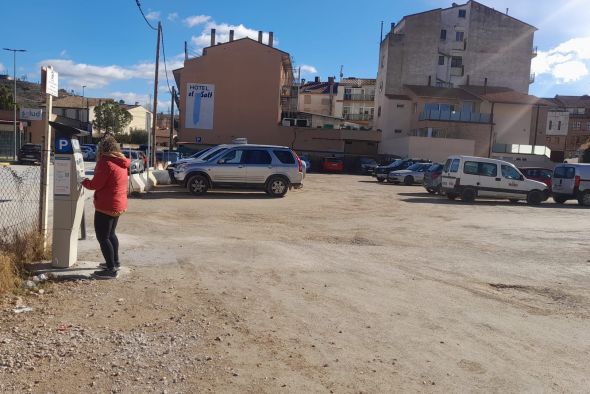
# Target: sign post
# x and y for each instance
(49, 86)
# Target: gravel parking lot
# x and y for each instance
(344, 286)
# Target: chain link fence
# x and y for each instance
(19, 201)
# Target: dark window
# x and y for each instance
(550, 124)
(456, 61)
(232, 157)
(479, 168)
(510, 172)
(462, 13)
(441, 60)
(559, 125)
(564, 173)
(447, 165)
(284, 156)
(471, 167)
(397, 131)
(459, 36)
(455, 165)
(443, 34)
(400, 105)
(260, 157)
(379, 111)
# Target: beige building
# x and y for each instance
(244, 89)
(141, 118)
(459, 73)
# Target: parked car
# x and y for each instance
(167, 156)
(87, 153)
(537, 174)
(571, 181)
(307, 162)
(381, 172)
(367, 165)
(432, 179)
(201, 155)
(137, 166)
(332, 164)
(411, 175)
(472, 177)
(273, 169)
(29, 153)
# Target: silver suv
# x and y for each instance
(274, 169)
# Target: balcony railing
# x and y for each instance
(455, 116)
(364, 117)
(359, 97)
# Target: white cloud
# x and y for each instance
(143, 99)
(308, 70)
(153, 15)
(63, 53)
(567, 62)
(196, 20)
(172, 16)
(222, 34)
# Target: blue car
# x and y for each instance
(307, 162)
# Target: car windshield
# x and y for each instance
(214, 152)
(200, 153)
(416, 167)
(395, 163)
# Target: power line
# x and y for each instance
(165, 67)
(144, 18)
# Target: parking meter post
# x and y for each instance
(45, 162)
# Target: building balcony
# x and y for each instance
(359, 97)
(455, 116)
(358, 117)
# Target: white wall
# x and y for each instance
(435, 149)
(512, 123)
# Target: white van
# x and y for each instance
(471, 177)
(571, 181)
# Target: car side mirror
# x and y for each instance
(221, 161)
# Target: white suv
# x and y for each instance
(273, 169)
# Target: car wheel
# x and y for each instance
(439, 190)
(468, 195)
(534, 197)
(431, 190)
(409, 180)
(451, 196)
(559, 200)
(380, 180)
(514, 200)
(198, 185)
(584, 198)
(277, 186)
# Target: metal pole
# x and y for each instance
(155, 108)
(44, 197)
(536, 127)
(171, 119)
(14, 51)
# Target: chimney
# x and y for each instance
(231, 35)
(506, 10)
(317, 79)
(270, 39)
(212, 37)
(392, 25)
(260, 36)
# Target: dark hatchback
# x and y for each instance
(29, 154)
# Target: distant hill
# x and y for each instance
(28, 94)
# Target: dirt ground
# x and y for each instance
(344, 286)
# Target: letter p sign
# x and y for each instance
(63, 145)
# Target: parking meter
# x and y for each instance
(68, 194)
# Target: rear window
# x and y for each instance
(284, 156)
(435, 167)
(564, 172)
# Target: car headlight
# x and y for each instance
(180, 167)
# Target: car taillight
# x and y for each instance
(578, 180)
(298, 161)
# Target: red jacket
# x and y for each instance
(110, 184)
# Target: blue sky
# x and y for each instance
(107, 46)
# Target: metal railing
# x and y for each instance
(455, 116)
(364, 117)
(359, 97)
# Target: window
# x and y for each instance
(397, 131)
(509, 172)
(455, 165)
(550, 124)
(379, 111)
(400, 105)
(257, 157)
(577, 125)
(459, 36)
(479, 168)
(564, 172)
(559, 125)
(456, 61)
(307, 99)
(441, 60)
(462, 13)
(443, 34)
(345, 110)
(471, 167)
(232, 157)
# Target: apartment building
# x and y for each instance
(351, 99)
(476, 58)
(141, 118)
(245, 89)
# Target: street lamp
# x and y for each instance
(14, 51)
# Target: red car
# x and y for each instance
(332, 164)
(538, 174)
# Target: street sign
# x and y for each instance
(49, 81)
(31, 114)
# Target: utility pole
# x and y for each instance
(155, 108)
(171, 119)
(14, 51)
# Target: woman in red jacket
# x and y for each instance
(110, 201)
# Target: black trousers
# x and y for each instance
(104, 227)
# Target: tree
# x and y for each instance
(110, 118)
(6, 100)
(139, 137)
